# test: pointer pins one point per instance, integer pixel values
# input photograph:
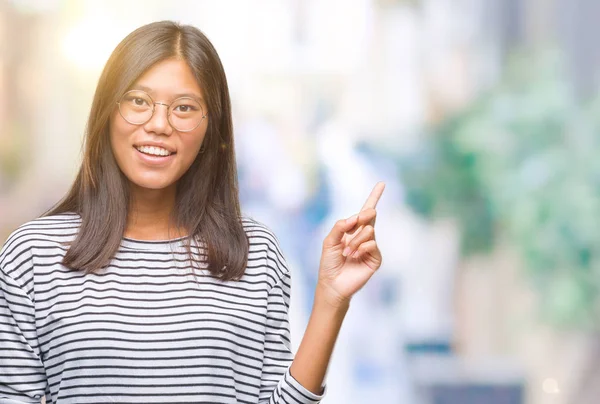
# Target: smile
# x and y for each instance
(154, 158)
(154, 151)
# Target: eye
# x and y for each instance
(185, 108)
(136, 100)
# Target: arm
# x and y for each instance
(350, 257)
(314, 353)
(22, 374)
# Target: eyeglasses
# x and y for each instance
(184, 114)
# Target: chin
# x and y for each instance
(155, 184)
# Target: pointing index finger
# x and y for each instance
(375, 195)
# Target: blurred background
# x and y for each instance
(482, 116)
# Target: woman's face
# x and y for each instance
(140, 149)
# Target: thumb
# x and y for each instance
(340, 228)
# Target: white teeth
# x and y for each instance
(157, 151)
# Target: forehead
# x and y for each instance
(169, 78)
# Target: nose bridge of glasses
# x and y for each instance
(168, 107)
(153, 115)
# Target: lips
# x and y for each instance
(152, 160)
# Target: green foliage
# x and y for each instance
(522, 163)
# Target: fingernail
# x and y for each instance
(346, 252)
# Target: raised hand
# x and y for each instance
(350, 253)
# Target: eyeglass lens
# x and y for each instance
(137, 107)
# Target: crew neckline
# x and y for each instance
(168, 244)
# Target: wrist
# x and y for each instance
(328, 298)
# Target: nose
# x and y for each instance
(159, 123)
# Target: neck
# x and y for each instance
(149, 216)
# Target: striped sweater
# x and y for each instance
(145, 329)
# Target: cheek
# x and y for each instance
(116, 139)
(119, 135)
(190, 145)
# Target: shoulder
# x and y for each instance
(40, 232)
(17, 252)
(264, 246)
(258, 230)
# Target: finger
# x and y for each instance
(365, 217)
(366, 234)
(339, 229)
(369, 248)
(374, 197)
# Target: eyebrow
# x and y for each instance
(150, 91)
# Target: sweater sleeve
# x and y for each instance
(22, 374)
(277, 384)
